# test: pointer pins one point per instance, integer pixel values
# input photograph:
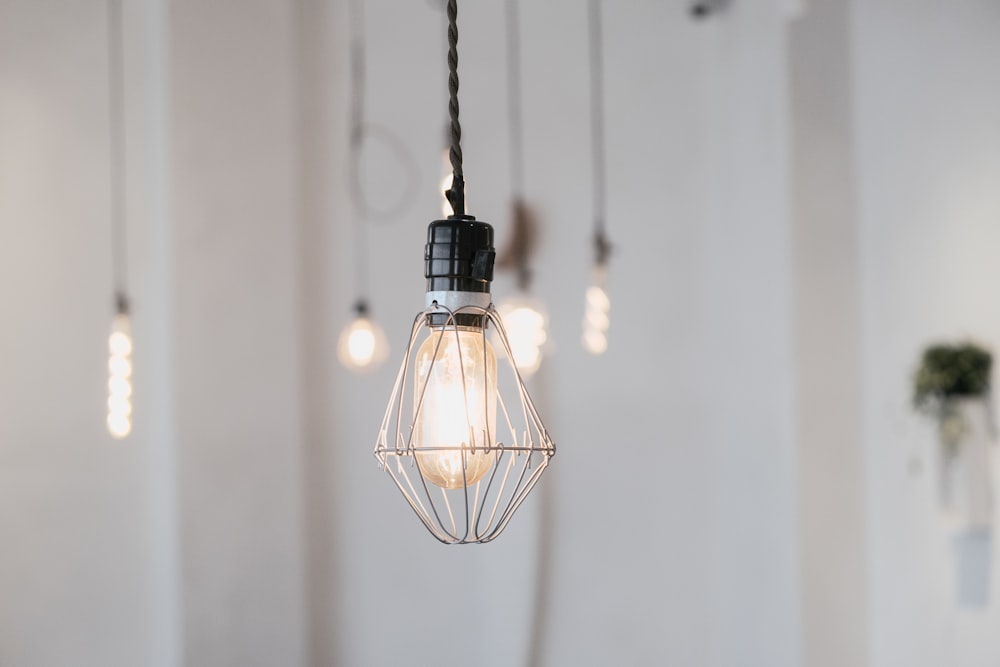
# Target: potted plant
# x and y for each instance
(952, 385)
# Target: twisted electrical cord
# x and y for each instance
(358, 69)
(455, 194)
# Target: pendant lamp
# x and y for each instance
(461, 438)
(597, 307)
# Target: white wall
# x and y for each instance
(688, 515)
(928, 163)
(87, 568)
(235, 234)
(828, 366)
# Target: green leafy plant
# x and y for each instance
(951, 371)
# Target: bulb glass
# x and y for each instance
(455, 407)
(119, 419)
(362, 346)
(597, 310)
(525, 322)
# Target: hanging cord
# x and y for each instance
(602, 246)
(456, 194)
(515, 111)
(357, 67)
(116, 134)
(356, 143)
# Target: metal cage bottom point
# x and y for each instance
(464, 479)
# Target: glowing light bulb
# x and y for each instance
(525, 323)
(596, 320)
(463, 471)
(120, 377)
(362, 346)
(455, 407)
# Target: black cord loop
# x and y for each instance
(455, 194)
(363, 135)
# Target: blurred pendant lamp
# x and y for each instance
(461, 438)
(523, 314)
(362, 346)
(119, 418)
(596, 318)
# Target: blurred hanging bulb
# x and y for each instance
(596, 320)
(455, 407)
(525, 324)
(362, 346)
(120, 377)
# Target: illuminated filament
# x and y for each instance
(455, 407)
(596, 318)
(120, 378)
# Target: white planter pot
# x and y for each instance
(967, 462)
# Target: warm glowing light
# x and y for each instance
(119, 405)
(455, 407)
(119, 387)
(525, 323)
(119, 382)
(119, 343)
(596, 319)
(119, 366)
(362, 345)
(119, 426)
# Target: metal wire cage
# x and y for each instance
(475, 446)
